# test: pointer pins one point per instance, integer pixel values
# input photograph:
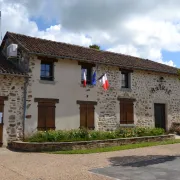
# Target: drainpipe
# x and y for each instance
(24, 106)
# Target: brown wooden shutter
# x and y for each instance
(41, 117)
(126, 112)
(122, 113)
(129, 112)
(46, 115)
(90, 116)
(50, 116)
(83, 108)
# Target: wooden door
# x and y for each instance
(159, 113)
(1, 122)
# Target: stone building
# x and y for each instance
(12, 81)
(141, 92)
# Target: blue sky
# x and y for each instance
(147, 29)
(167, 55)
(174, 56)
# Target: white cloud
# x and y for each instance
(141, 29)
(148, 53)
(15, 18)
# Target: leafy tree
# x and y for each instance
(95, 46)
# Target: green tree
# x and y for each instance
(95, 46)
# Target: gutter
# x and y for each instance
(24, 106)
(103, 63)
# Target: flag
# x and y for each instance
(94, 78)
(84, 78)
(104, 81)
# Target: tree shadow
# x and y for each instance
(140, 161)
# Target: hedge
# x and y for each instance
(87, 135)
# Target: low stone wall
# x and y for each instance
(65, 146)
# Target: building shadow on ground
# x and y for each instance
(140, 161)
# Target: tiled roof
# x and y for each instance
(59, 49)
(7, 67)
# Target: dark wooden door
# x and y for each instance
(1, 122)
(1, 134)
(159, 112)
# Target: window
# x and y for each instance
(88, 71)
(87, 114)
(126, 112)
(125, 80)
(47, 71)
(46, 113)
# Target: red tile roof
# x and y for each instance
(7, 67)
(59, 49)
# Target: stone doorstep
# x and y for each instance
(55, 146)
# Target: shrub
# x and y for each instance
(175, 128)
(86, 135)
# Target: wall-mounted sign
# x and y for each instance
(161, 87)
(1, 117)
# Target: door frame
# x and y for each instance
(165, 114)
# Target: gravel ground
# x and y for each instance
(41, 166)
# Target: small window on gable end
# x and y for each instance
(47, 71)
(88, 71)
(125, 79)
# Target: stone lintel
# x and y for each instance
(86, 102)
(126, 99)
(46, 100)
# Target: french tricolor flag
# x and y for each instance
(84, 78)
(104, 82)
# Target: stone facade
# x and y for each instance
(13, 88)
(147, 89)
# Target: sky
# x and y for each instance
(147, 29)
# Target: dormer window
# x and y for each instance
(125, 80)
(47, 71)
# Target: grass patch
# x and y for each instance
(118, 148)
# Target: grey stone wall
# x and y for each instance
(67, 146)
(13, 87)
(107, 100)
(146, 88)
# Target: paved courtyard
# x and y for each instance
(161, 162)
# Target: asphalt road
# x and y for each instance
(150, 167)
(158, 162)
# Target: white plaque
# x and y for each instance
(1, 117)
